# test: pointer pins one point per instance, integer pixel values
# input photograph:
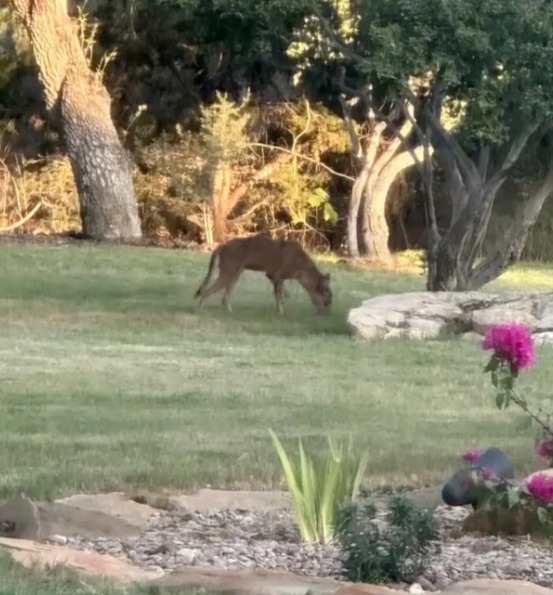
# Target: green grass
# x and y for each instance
(17, 580)
(112, 379)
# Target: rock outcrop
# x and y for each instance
(424, 315)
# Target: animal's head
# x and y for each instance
(321, 294)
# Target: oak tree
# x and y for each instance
(80, 104)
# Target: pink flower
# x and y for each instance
(512, 342)
(471, 455)
(488, 473)
(544, 449)
(541, 487)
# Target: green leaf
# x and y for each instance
(329, 213)
(492, 365)
(513, 497)
(500, 400)
(543, 516)
(318, 198)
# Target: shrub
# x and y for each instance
(376, 552)
(319, 488)
(512, 349)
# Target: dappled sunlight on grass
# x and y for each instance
(525, 277)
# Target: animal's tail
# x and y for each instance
(210, 268)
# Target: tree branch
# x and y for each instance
(334, 40)
(305, 158)
(484, 161)
(401, 135)
(356, 147)
(402, 161)
(259, 175)
(514, 153)
(374, 143)
(24, 220)
(509, 249)
(468, 171)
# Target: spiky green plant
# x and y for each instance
(320, 487)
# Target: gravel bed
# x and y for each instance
(242, 539)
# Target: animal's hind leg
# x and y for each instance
(228, 289)
(217, 285)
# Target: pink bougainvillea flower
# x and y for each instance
(471, 455)
(541, 487)
(544, 449)
(488, 473)
(513, 342)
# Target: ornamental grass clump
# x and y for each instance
(320, 487)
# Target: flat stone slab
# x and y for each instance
(208, 499)
(114, 504)
(240, 582)
(484, 586)
(70, 521)
(28, 553)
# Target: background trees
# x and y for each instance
(364, 125)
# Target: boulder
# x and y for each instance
(459, 489)
(521, 313)
(423, 315)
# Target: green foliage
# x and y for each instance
(319, 488)
(513, 507)
(396, 552)
(224, 129)
(14, 47)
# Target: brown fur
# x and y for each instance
(278, 259)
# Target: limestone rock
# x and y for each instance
(483, 319)
(484, 586)
(19, 518)
(60, 519)
(114, 504)
(244, 582)
(545, 323)
(29, 553)
(422, 315)
(542, 338)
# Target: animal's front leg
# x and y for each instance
(285, 294)
(280, 294)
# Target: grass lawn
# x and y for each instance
(16, 580)
(112, 379)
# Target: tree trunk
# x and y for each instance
(457, 251)
(353, 211)
(509, 249)
(376, 231)
(222, 180)
(100, 165)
